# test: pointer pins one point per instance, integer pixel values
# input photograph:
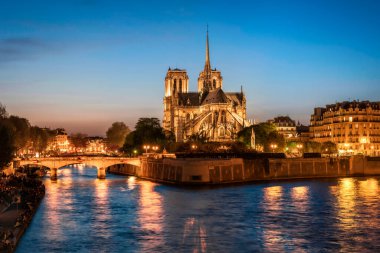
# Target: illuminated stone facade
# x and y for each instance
(209, 112)
(60, 143)
(285, 126)
(353, 126)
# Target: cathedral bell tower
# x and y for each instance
(176, 81)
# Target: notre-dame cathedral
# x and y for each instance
(210, 112)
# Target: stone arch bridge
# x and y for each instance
(101, 163)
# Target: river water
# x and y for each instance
(123, 214)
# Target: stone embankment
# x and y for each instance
(239, 170)
(19, 199)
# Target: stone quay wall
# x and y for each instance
(238, 170)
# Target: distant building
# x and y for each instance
(95, 145)
(302, 133)
(60, 143)
(353, 126)
(210, 112)
(285, 126)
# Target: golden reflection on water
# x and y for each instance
(194, 234)
(272, 198)
(59, 198)
(53, 217)
(272, 237)
(131, 183)
(346, 201)
(102, 210)
(369, 189)
(300, 198)
(150, 215)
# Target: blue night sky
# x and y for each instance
(84, 64)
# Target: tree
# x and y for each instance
(312, 147)
(20, 127)
(3, 112)
(329, 147)
(116, 134)
(265, 135)
(39, 138)
(274, 138)
(78, 140)
(198, 137)
(7, 147)
(147, 131)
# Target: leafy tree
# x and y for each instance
(39, 138)
(198, 137)
(147, 131)
(7, 147)
(116, 134)
(329, 148)
(3, 112)
(78, 140)
(312, 147)
(274, 138)
(265, 135)
(20, 127)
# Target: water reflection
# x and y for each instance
(150, 216)
(272, 237)
(101, 209)
(300, 197)
(123, 214)
(131, 182)
(54, 214)
(195, 235)
(346, 204)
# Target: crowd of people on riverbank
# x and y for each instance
(25, 193)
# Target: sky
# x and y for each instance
(84, 64)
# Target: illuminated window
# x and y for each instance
(350, 119)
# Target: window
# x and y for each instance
(214, 83)
(196, 177)
(180, 85)
(175, 86)
(224, 117)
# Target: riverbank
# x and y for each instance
(20, 197)
(227, 170)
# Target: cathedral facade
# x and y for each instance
(210, 112)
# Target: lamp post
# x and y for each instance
(299, 147)
(194, 147)
(155, 148)
(273, 146)
(146, 147)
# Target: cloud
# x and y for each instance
(21, 48)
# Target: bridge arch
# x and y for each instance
(101, 163)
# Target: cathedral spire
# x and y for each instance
(207, 69)
(207, 63)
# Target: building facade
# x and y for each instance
(285, 126)
(353, 126)
(210, 112)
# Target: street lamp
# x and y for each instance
(273, 146)
(155, 148)
(194, 147)
(146, 147)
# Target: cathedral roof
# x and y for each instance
(235, 97)
(189, 99)
(215, 96)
